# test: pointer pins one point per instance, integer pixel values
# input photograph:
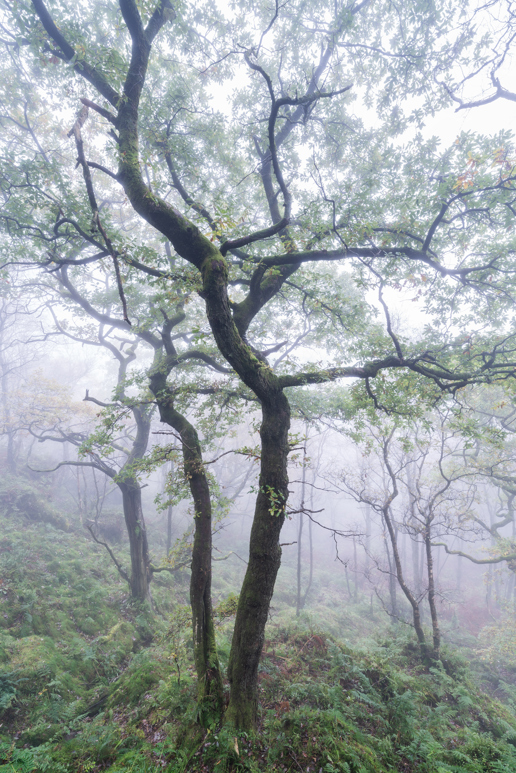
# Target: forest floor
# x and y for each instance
(90, 682)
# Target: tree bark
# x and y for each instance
(392, 580)
(355, 570)
(299, 596)
(299, 602)
(367, 538)
(436, 633)
(169, 528)
(311, 543)
(140, 577)
(264, 562)
(209, 678)
(416, 616)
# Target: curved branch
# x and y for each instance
(91, 74)
(106, 470)
(121, 571)
(493, 560)
(210, 361)
(369, 370)
(171, 569)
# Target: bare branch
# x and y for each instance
(121, 571)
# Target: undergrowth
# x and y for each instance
(90, 682)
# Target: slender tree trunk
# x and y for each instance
(368, 538)
(85, 491)
(264, 562)
(392, 578)
(355, 569)
(415, 563)
(422, 565)
(140, 577)
(347, 581)
(299, 598)
(299, 546)
(436, 633)
(169, 528)
(169, 517)
(209, 678)
(416, 616)
(311, 544)
(6, 413)
(79, 496)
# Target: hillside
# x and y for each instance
(90, 682)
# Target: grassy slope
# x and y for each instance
(83, 688)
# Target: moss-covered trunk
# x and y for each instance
(140, 576)
(209, 678)
(128, 484)
(264, 562)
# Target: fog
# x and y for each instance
(257, 402)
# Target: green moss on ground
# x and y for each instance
(325, 706)
(90, 682)
(67, 626)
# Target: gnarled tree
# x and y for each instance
(291, 178)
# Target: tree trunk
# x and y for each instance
(422, 565)
(436, 633)
(209, 678)
(299, 603)
(6, 413)
(299, 597)
(264, 562)
(140, 576)
(169, 517)
(355, 569)
(367, 539)
(416, 616)
(415, 563)
(311, 543)
(392, 579)
(169, 528)
(347, 581)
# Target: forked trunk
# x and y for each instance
(416, 615)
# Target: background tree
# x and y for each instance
(416, 481)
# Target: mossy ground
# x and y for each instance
(90, 682)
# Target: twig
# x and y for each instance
(121, 571)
